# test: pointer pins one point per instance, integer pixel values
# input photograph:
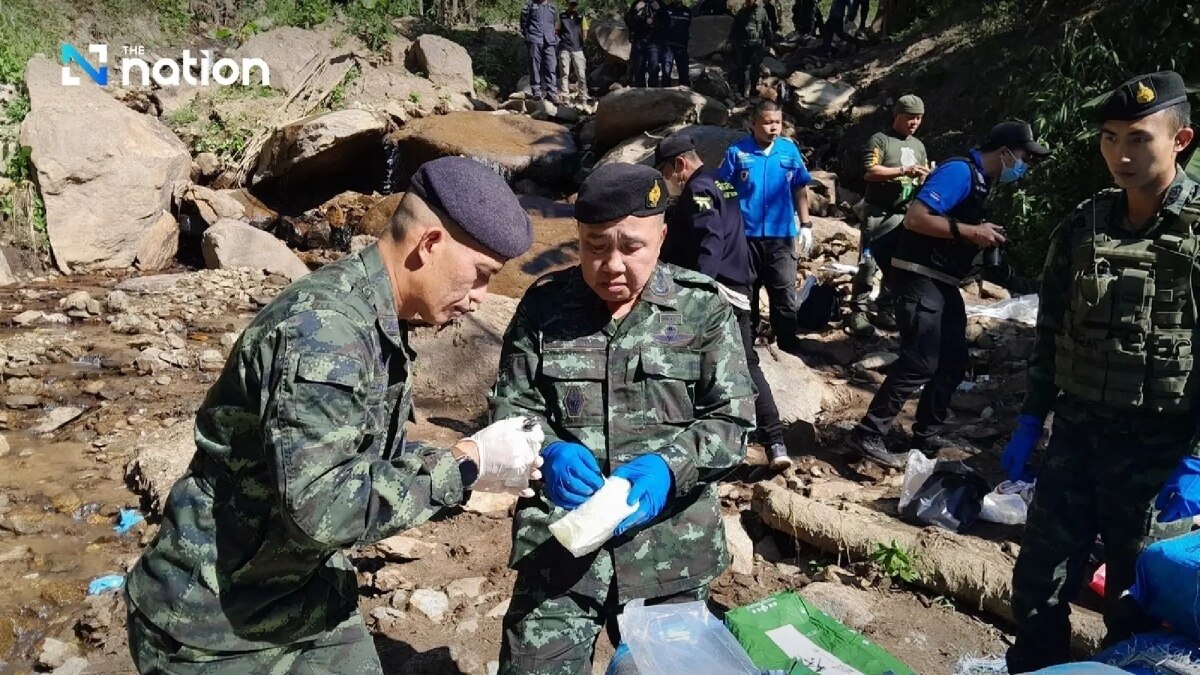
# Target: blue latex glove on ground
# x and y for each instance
(650, 484)
(570, 474)
(1015, 459)
(1180, 495)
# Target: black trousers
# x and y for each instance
(677, 56)
(774, 262)
(933, 353)
(645, 62)
(764, 403)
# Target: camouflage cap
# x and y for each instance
(478, 200)
(1144, 95)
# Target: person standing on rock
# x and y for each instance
(539, 28)
(896, 163)
(301, 451)
(749, 34)
(635, 368)
(647, 21)
(945, 228)
(769, 175)
(572, 33)
(705, 233)
(1113, 359)
(679, 32)
(835, 24)
(806, 17)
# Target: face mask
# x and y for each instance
(1011, 174)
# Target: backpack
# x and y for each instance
(820, 306)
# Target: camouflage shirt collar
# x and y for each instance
(1181, 192)
(660, 289)
(379, 288)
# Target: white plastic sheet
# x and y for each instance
(681, 639)
(1022, 309)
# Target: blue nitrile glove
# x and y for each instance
(649, 485)
(1180, 495)
(1020, 447)
(570, 474)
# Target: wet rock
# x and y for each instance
(433, 604)
(231, 243)
(58, 418)
(55, 653)
(400, 548)
(517, 146)
(446, 63)
(741, 547)
(101, 199)
(459, 360)
(630, 111)
(376, 220)
(77, 300)
(850, 606)
(469, 588)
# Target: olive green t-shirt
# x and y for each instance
(892, 150)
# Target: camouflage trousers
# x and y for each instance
(877, 242)
(1091, 482)
(554, 633)
(348, 648)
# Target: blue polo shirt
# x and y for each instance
(949, 185)
(764, 180)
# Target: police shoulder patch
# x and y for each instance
(703, 202)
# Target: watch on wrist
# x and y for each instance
(468, 470)
(808, 225)
(954, 231)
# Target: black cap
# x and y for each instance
(1144, 95)
(671, 147)
(1014, 135)
(478, 200)
(616, 190)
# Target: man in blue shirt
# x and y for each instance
(770, 177)
(705, 234)
(945, 228)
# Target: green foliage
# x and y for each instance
(371, 20)
(23, 204)
(415, 97)
(302, 13)
(24, 30)
(337, 95)
(16, 110)
(895, 562)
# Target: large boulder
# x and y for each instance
(819, 98)
(800, 392)
(446, 63)
(386, 88)
(708, 34)
(106, 173)
(213, 205)
(319, 144)
(630, 111)
(613, 39)
(517, 146)
(555, 246)
(232, 243)
(711, 144)
(159, 246)
(289, 50)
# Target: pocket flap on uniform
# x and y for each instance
(330, 369)
(574, 365)
(675, 364)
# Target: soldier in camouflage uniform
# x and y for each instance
(637, 370)
(1113, 359)
(301, 452)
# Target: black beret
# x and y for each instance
(478, 200)
(1144, 95)
(617, 190)
(671, 147)
(1014, 135)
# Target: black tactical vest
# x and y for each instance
(1128, 327)
(947, 260)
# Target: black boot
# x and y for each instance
(871, 446)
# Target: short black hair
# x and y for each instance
(1180, 115)
(766, 105)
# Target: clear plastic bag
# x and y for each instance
(1008, 504)
(917, 470)
(681, 638)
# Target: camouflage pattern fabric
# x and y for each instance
(1102, 469)
(300, 454)
(669, 378)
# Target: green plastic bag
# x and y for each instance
(785, 632)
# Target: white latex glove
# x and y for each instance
(509, 455)
(804, 241)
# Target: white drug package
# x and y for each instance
(587, 528)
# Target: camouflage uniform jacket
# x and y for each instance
(1058, 287)
(669, 378)
(298, 456)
